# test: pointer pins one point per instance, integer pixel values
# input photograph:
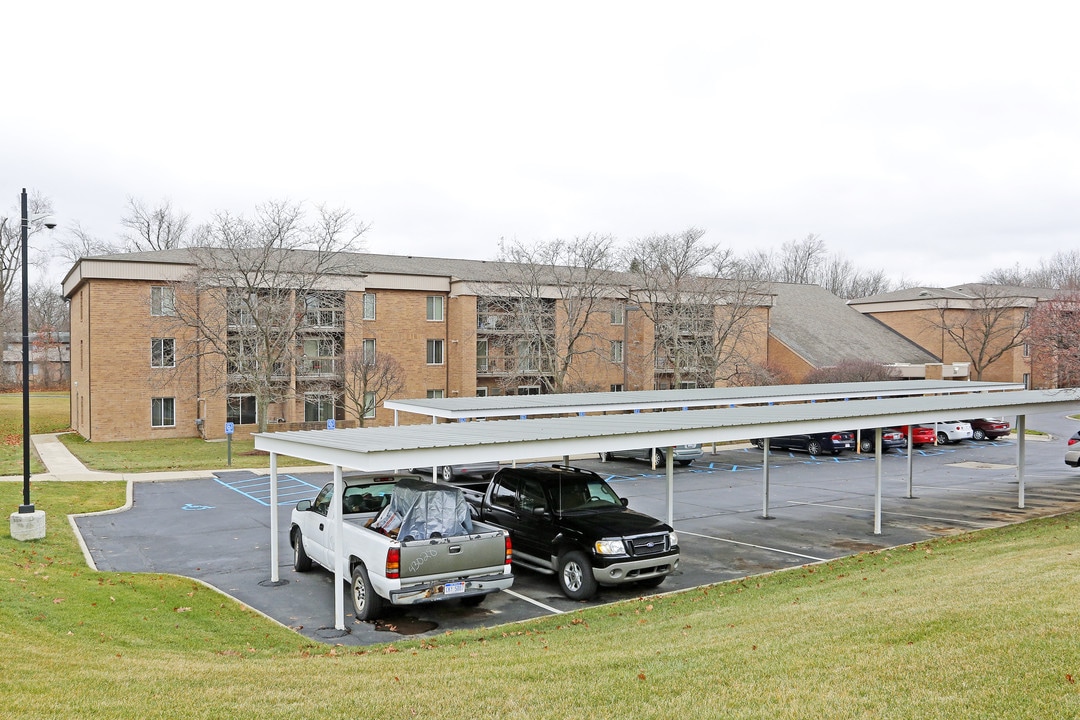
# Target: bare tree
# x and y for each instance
(1054, 335)
(248, 292)
(80, 242)
(808, 262)
(850, 370)
(11, 241)
(989, 322)
(154, 228)
(48, 310)
(1061, 271)
(370, 379)
(538, 310)
(703, 307)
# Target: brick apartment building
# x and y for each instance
(444, 321)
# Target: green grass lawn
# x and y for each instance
(972, 626)
(49, 413)
(177, 454)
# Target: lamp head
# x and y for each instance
(49, 222)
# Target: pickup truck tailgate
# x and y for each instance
(454, 556)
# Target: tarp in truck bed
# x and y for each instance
(420, 510)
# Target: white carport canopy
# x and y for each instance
(573, 403)
(386, 449)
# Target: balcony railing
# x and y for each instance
(324, 318)
(319, 367)
(511, 366)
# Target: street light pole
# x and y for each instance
(27, 506)
(28, 523)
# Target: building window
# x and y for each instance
(434, 394)
(369, 306)
(616, 388)
(369, 351)
(318, 407)
(617, 351)
(435, 308)
(434, 352)
(1027, 381)
(162, 352)
(528, 390)
(162, 300)
(1027, 350)
(369, 405)
(688, 385)
(481, 356)
(241, 410)
(618, 314)
(481, 392)
(162, 412)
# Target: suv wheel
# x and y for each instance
(575, 576)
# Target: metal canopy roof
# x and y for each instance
(557, 404)
(390, 448)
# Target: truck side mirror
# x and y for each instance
(539, 511)
(625, 501)
(303, 506)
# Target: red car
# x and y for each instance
(988, 428)
(921, 435)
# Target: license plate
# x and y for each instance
(455, 588)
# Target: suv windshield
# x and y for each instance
(583, 493)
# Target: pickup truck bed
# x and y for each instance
(421, 549)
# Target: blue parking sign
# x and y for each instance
(331, 424)
(229, 428)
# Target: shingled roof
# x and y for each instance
(823, 330)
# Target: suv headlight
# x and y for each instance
(610, 547)
(672, 539)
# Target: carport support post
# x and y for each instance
(877, 489)
(765, 479)
(1021, 453)
(671, 486)
(273, 519)
(910, 447)
(339, 559)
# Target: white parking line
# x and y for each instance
(759, 547)
(537, 603)
(910, 515)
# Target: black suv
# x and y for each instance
(569, 522)
(813, 443)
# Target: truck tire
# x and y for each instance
(366, 604)
(300, 560)
(575, 576)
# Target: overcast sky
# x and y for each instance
(936, 140)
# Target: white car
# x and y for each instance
(950, 431)
(1072, 450)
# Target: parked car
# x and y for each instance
(684, 454)
(1072, 450)
(989, 428)
(449, 472)
(813, 443)
(919, 435)
(948, 431)
(890, 438)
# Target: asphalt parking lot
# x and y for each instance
(218, 531)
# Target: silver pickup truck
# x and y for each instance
(405, 540)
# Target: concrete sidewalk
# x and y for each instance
(61, 464)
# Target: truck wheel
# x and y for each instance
(300, 560)
(366, 604)
(575, 576)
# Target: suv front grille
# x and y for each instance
(644, 545)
